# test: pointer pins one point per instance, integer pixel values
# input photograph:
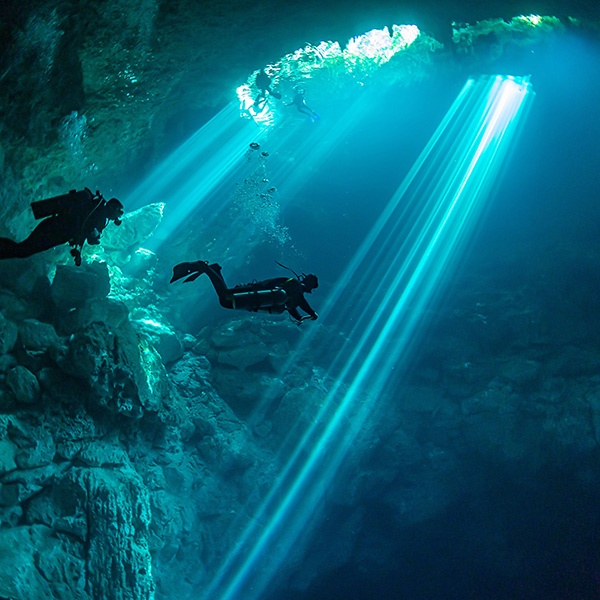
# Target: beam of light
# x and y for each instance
(403, 263)
(188, 178)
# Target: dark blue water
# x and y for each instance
(525, 535)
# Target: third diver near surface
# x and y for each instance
(299, 101)
(73, 218)
(274, 296)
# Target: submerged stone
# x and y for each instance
(72, 286)
(24, 384)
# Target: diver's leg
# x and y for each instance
(225, 294)
(49, 233)
(8, 248)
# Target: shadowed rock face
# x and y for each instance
(133, 451)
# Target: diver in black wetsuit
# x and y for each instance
(272, 295)
(263, 83)
(73, 218)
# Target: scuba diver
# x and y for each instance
(300, 103)
(272, 295)
(263, 83)
(72, 218)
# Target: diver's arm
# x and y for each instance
(305, 306)
(294, 313)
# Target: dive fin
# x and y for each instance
(193, 277)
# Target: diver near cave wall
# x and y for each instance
(274, 296)
(72, 218)
(263, 83)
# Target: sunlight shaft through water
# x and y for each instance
(387, 292)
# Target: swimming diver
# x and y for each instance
(300, 103)
(72, 218)
(263, 83)
(272, 295)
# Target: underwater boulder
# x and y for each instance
(8, 335)
(38, 336)
(34, 563)
(8, 452)
(60, 387)
(72, 286)
(141, 263)
(136, 227)
(164, 339)
(106, 514)
(23, 384)
(243, 357)
(97, 310)
(122, 371)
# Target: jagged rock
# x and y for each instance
(35, 564)
(245, 356)
(235, 334)
(7, 362)
(574, 362)
(190, 375)
(101, 454)
(24, 385)
(8, 452)
(108, 511)
(521, 372)
(8, 335)
(72, 286)
(123, 371)
(13, 307)
(163, 337)
(103, 310)
(61, 387)
(119, 562)
(42, 453)
(137, 226)
(38, 336)
(141, 263)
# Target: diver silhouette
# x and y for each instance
(263, 83)
(274, 296)
(72, 218)
(300, 103)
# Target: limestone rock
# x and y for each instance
(38, 336)
(245, 356)
(108, 512)
(23, 384)
(41, 453)
(35, 564)
(122, 371)
(162, 337)
(137, 226)
(72, 286)
(61, 387)
(7, 456)
(8, 335)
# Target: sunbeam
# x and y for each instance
(404, 262)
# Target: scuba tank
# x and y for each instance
(60, 204)
(267, 300)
